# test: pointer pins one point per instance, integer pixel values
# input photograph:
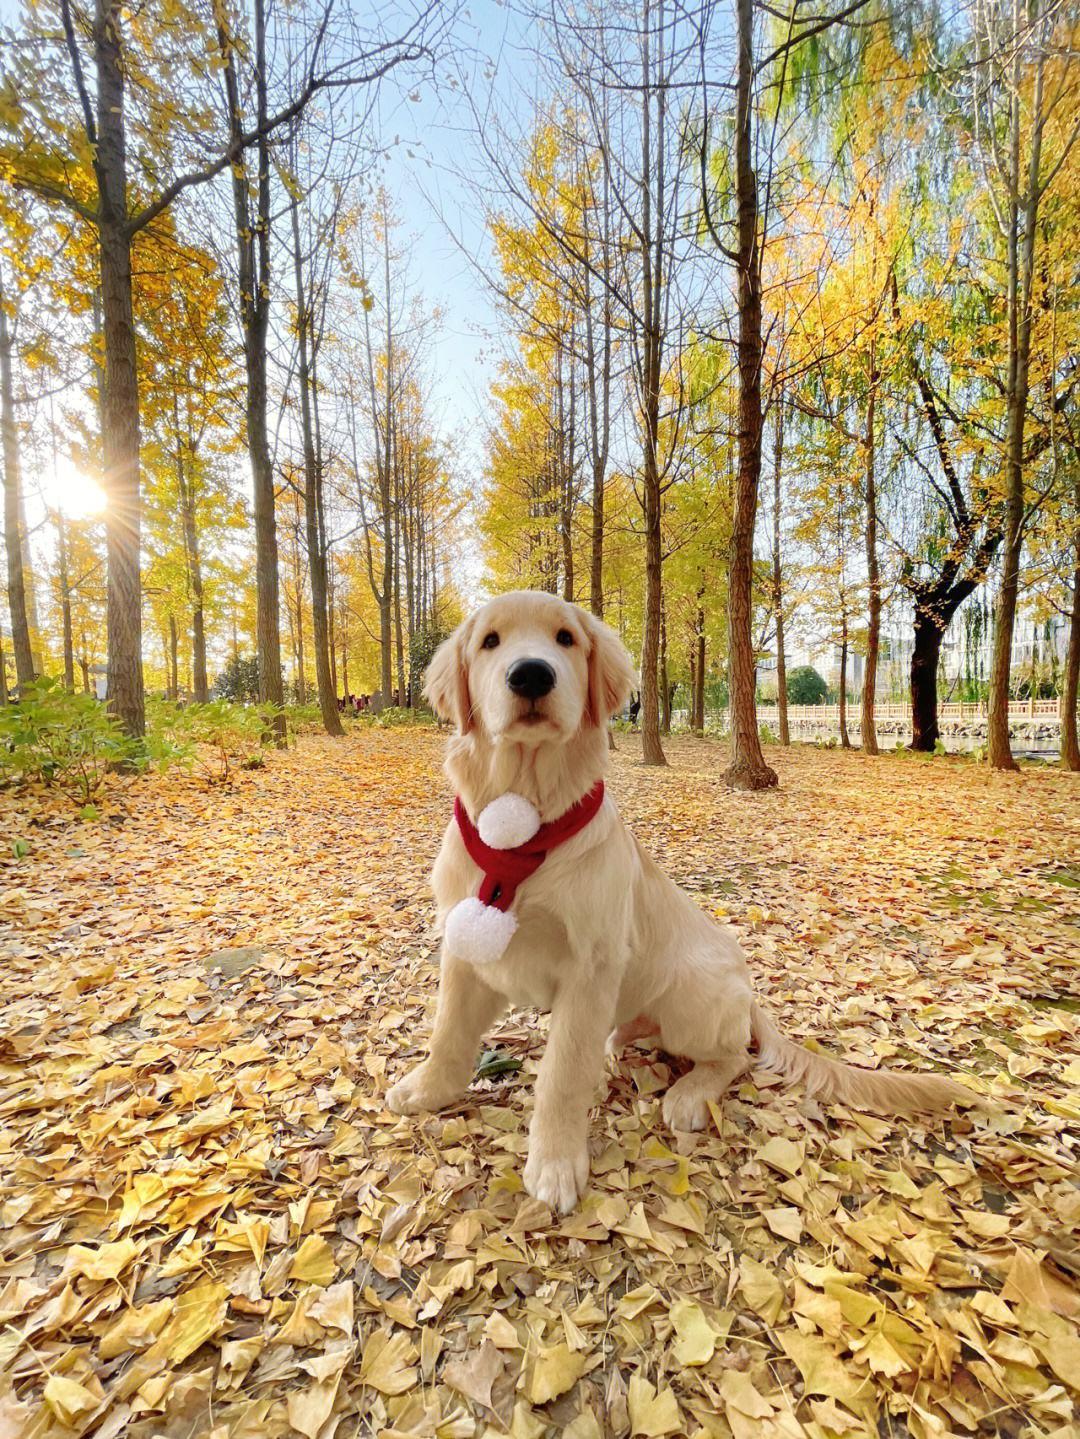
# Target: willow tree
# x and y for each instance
(1025, 120)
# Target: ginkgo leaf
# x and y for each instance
(653, 1413)
(740, 1394)
(883, 1358)
(696, 1339)
(68, 1399)
(386, 1362)
(314, 1262)
(310, 1408)
(786, 1222)
(135, 1328)
(107, 1261)
(783, 1154)
(474, 1374)
(763, 1291)
(333, 1309)
(500, 1331)
(554, 1370)
(822, 1370)
(198, 1313)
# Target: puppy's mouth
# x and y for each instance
(533, 715)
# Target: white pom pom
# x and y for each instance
(508, 821)
(478, 932)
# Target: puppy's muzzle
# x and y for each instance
(530, 679)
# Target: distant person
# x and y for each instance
(635, 708)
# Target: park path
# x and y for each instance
(208, 1224)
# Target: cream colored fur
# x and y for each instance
(605, 941)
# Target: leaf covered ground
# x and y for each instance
(209, 1225)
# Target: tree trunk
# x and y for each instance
(399, 644)
(64, 577)
(331, 617)
(172, 671)
(1070, 748)
(697, 721)
(185, 481)
(598, 391)
(313, 498)
(253, 288)
(301, 675)
(3, 672)
(386, 614)
(13, 529)
(651, 341)
(120, 406)
(665, 687)
(596, 552)
(652, 750)
(566, 441)
(748, 769)
(33, 622)
(319, 617)
(845, 742)
(778, 579)
(924, 676)
(867, 726)
(1021, 263)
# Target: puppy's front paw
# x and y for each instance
(421, 1091)
(557, 1180)
(686, 1104)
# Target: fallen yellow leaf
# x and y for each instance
(554, 1370)
(314, 1262)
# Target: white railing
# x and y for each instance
(892, 710)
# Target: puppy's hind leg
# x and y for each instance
(705, 1018)
(640, 1028)
(686, 1104)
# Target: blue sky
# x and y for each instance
(428, 165)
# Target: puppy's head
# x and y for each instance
(530, 668)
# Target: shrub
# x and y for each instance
(238, 681)
(67, 740)
(303, 719)
(422, 646)
(395, 716)
(211, 736)
(806, 687)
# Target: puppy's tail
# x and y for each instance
(832, 1080)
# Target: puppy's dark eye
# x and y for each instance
(491, 641)
(564, 637)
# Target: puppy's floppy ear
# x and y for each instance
(446, 681)
(611, 672)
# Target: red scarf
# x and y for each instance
(505, 869)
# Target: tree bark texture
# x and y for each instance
(867, 725)
(14, 542)
(120, 402)
(778, 579)
(748, 769)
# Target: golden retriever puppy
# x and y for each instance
(598, 936)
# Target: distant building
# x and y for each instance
(1039, 647)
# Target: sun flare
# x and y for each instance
(76, 494)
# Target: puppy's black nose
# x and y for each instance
(531, 678)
